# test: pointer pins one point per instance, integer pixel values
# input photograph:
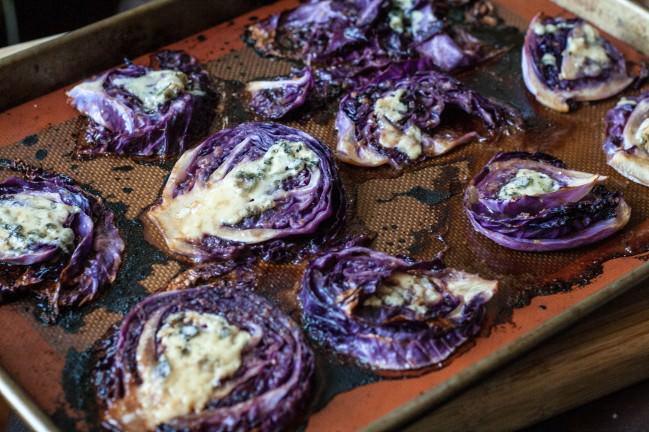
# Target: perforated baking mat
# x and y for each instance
(409, 212)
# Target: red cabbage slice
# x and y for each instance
(531, 202)
(566, 60)
(274, 98)
(208, 358)
(259, 188)
(146, 111)
(627, 138)
(396, 118)
(391, 314)
(56, 240)
(344, 41)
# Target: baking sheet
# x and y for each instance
(409, 212)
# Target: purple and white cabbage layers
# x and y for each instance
(397, 117)
(207, 358)
(391, 314)
(156, 111)
(342, 42)
(56, 240)
(567, 60)
(531, 202)
(627, 138)
(274, 98)
(259, 188)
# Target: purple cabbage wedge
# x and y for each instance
(396, 118)
(531, 202)
(318, 32)
(348, 40)
(627, 138)
(155, 111)
(274, 98)
(207, 358)
(566, 60)
(55, 240)
(257, 189)
(391, 314)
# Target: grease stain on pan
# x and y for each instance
(421, 194)
(40, 154)
(127, 290)
(30, 140)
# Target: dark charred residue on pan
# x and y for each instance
(123, 168)
(30, 140)
(127, 290)
(421, 194)
(76, 379)
(40, 154)
(334, 378)
(427, 237)
(232, 109)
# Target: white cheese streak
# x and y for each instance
(28, 219)
(227, 197)
(155, 87)
(199, 351)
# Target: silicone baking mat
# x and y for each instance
(414, 212)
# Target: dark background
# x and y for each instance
(40, 18)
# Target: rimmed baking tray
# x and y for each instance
(407, 211)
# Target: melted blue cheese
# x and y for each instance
(540, 29)
(468, 286)
(584, 53)
(33, 219)
(549, 59)
(626, 101)
(395, 21)
(416, 21)
(390, 110)
(226, 198)
(155, 87)
(404, 4)
(413, 292)
(527, 182)
(642, 134)
(200, 351)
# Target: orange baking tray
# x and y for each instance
(45, 368)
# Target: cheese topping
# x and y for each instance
(626, 101)
(155, 87)
(540, 29)
(584, 53)
(404, 4)
(227, 197)
(468, 286)
(642, 134)
(636, 130)
(416, 21)
(199, 351)
(396, 21)
(549, 59)
(418, 293)
(527, 182)
(391, 108)
(413, 292)
(27, 220)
